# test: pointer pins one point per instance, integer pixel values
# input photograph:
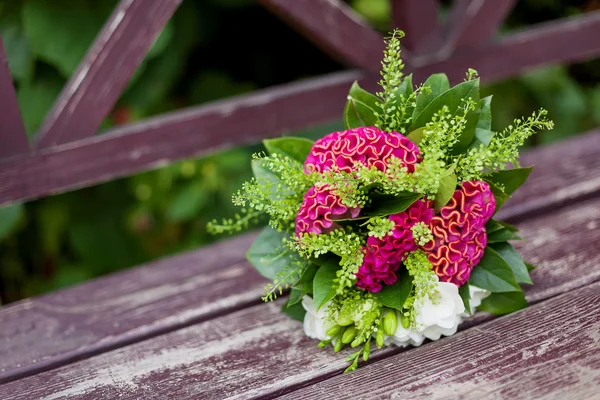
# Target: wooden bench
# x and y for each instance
(192, 326)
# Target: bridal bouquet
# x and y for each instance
(384, 232)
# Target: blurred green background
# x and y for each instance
(211, 49)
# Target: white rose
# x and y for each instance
(476, 295)
(315, 326)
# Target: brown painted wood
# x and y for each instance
(419, 19)
(43, 332)
(186, 133)
(475, 21)
(334, 27)
(549, 351)
(13, 139)
(259, 352)
(561, 41)
(105, 70)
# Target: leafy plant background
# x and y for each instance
(211, 49)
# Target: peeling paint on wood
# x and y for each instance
(43, 332)
(258, 351)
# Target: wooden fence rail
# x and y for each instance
(68, 137)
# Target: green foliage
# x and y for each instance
(465, 295)
(9, 218)
(296, 148)
(510, 180)
(514, 260)
(493, 273)
(323, 284)
(503, 303)
(362, 108)
(294, 311)
(394, 296)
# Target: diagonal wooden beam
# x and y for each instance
(475, 21)
(182, 134)
(335, 28)
(13, 139)
(419, 20)
(105, 70)
(562, 41)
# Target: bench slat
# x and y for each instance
(68, 334)
(47, 331)
(551, 350)
(258, 351)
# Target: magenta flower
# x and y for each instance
(459, 232)
(367, 145)
(320, 209)
(384, 256)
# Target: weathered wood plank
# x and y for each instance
(419, 19)
(554, 173)
(562, 41)
(186, 133)
(13, 139)
(47, 331)
(549, 351)
(475, 21)
(259, 352)
(105, 70)
(334, 27)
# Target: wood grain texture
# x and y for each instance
(475, 21)
(105, 70)
(419, 19)
(13, 139)
(561, 41)
(548, 351)
(334, 27)
(190, 132)
(259, 352)
(24, 354)
(43, 332)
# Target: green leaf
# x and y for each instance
(499, 195)
(188, 202)
(324, 288)
(306, 280)
(394, 296)
(465, 295)
(361, 108)
(485, 115)
(294, 311)
(453, 100)
(383, 205)
(493, 226)
(502, 235)
(446, 191)
(269, 255)
(295, 297)
(503, 303)
(264, 175)
(60, 32)
(296, 148)
(9, 217)
(511, 179)
(36, 98)
(513, 258)
(438, 83)
(494, 274)
(530, 267)
(20, 59)
(416, 136)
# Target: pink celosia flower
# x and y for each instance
(384, 256)
(459, 232)
(320, 209)
(367, 145)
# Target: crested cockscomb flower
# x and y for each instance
(319, 210)
(367, 145)
(384, 256)
(459, 236)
